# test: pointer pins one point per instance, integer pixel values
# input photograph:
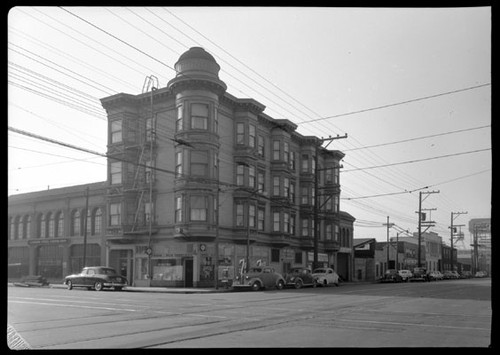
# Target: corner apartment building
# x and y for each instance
(195, 175)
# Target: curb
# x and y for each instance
(135, 289)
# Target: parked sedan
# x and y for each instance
(406, 275)
(391, 275)
(419, 274)
(451, 275)
(260, 277)
(300, 276)
(435, 275)
(326, 276)
(97, 278)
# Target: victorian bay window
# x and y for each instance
(251, 216)
(178, 209)
(260, 146)
(199, 162)
(179, 126)
(276, 221)
(178, 164)
(251, 176)
(251, 136)
(276, 185)
(240, 133)
(276, 150)
(199, 116)
(261, 218)
(260, 181)
(240, 215)
(116, 131)
(199, 208)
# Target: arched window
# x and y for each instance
(12, 226)
(51, 226)
(60, 224)
(89, 222)
(76, 223)
(19, 224)
(42, 226)
(26, 227)
(97, 221)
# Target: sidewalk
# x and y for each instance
(140, 289)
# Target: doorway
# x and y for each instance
(188, 272)
(123, 263)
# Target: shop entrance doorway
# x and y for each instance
(122, 261)
(188, 272)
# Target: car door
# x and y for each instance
(267, 277)
(79, 279)
(90, 277)
(330, 276)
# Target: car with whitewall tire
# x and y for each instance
(258, 278)
(326, 276)
(97, 278)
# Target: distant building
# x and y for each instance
(480, 230)
(190, 167)
(364, 259)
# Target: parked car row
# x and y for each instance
(266, 277)
(421, 274)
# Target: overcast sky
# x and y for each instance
(411, 87)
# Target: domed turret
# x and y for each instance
(196, 61)
(197, 65)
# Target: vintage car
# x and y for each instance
(391, 275)
(435, 275)
(406, 275)
(326, 276)
(300, 276)
(420, 274)
(97, 278)
(259, 277)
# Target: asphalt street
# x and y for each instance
(451, 313)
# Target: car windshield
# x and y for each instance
(320, 271)
(255, 269)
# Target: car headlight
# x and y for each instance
(292, 278)
(247, 277)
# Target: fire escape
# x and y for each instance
(142, 183)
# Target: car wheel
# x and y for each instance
(280, 285)
(325, 283)
(98, 286)
(298, 284)
(69, 284)
(256, 286)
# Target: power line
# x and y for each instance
(397, 104)
(417, 138)
(418, 160)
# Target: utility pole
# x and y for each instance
(429, 223)
(389, 225)
(216, 264)
(85, 226)
(454, 215)
(316, 189)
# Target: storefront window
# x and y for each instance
(167, 269)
